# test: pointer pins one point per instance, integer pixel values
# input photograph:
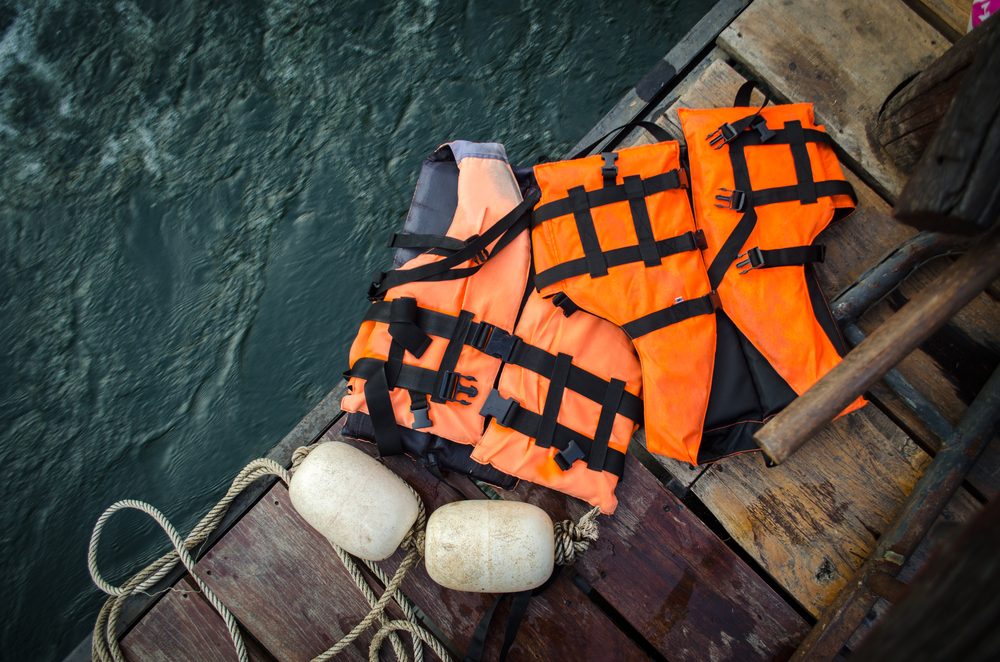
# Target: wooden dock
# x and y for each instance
(730, 562)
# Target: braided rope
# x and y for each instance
(106, 647)
(575, 538)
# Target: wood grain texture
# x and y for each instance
(671, 577)
(949, 17)
(183, 627)
(561, 623)
(846, 57)
(811, 521)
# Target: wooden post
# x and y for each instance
(883, 349)
(912, 114)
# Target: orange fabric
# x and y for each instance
(487, 190)
(771, 307)
(596, 346)
(677, 360)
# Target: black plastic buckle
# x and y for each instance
(759, 124)
(482, 255)
(722, 136)
(500, 408)
(567, 456)
(563, 302)
(420, 412)
(609, 170)
(375, 285)
(451, 387)
(734, 199)
(501, 344)
(754, 260)
(480, 335)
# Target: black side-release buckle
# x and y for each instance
(722, 136)
(420, 410)
(500, 408)
(567, 456)
(609, 170)
(567, 305)
(759, 124)
(734, 199)
(376, 283)
(501, 344)
(479, 335)
(451, 387)
(754, 260)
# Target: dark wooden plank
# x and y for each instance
(183, 626)
(561, 623)
(949, 17)
(811, 521)
(666, 72)
(672, 578)
(846, 57)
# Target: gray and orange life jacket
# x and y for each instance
(452, 336)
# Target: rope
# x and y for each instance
(106, 647)
(574, 538)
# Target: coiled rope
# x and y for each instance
(571, 538)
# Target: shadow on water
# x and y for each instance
(191, 197)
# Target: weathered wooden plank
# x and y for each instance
(949, 17)
(284, 583)
(182, 626)
(811, 521)
(671, 577)
(560, 623)
(846, 57)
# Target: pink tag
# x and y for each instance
(982, 10)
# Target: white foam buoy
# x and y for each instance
(353, 500)
(489, 546)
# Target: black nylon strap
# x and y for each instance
(593, 255)
(676, 313)
(451, 353)
(636, 194)
(420, 380)
(508, 348)
(508, 413)
(617, 257)
(824, 189)
(665, 181)
(605, 423)
(553, 400)
(800, 158)
(518, 608)
(733, 244)
(424, 241)
(403, 328)
(655, 130)
(503, 232)
(383, 417)
(743, 94)
(792, 256)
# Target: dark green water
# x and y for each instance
(192, 195)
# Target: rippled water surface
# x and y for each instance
(191, 197)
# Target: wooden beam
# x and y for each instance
(888, 345)
(954, 186)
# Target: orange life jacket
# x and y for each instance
(614, 233)
(567, 404)
(441, 328)
(765, 182)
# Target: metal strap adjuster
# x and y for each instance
(754, 260)
(500, 408)
(450, 387)
(567, 456)
(734, 199)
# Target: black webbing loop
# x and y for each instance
(636, 194)
(425, 241)
(794, 256)
(383, 417)
(744, 93)
(403, 326)
(596, 266)
(803, 166)
(553, 400)
(605, 423)
(678, 312)
(665, 181)
(655, 130)
(450, 359)
(502, 232)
